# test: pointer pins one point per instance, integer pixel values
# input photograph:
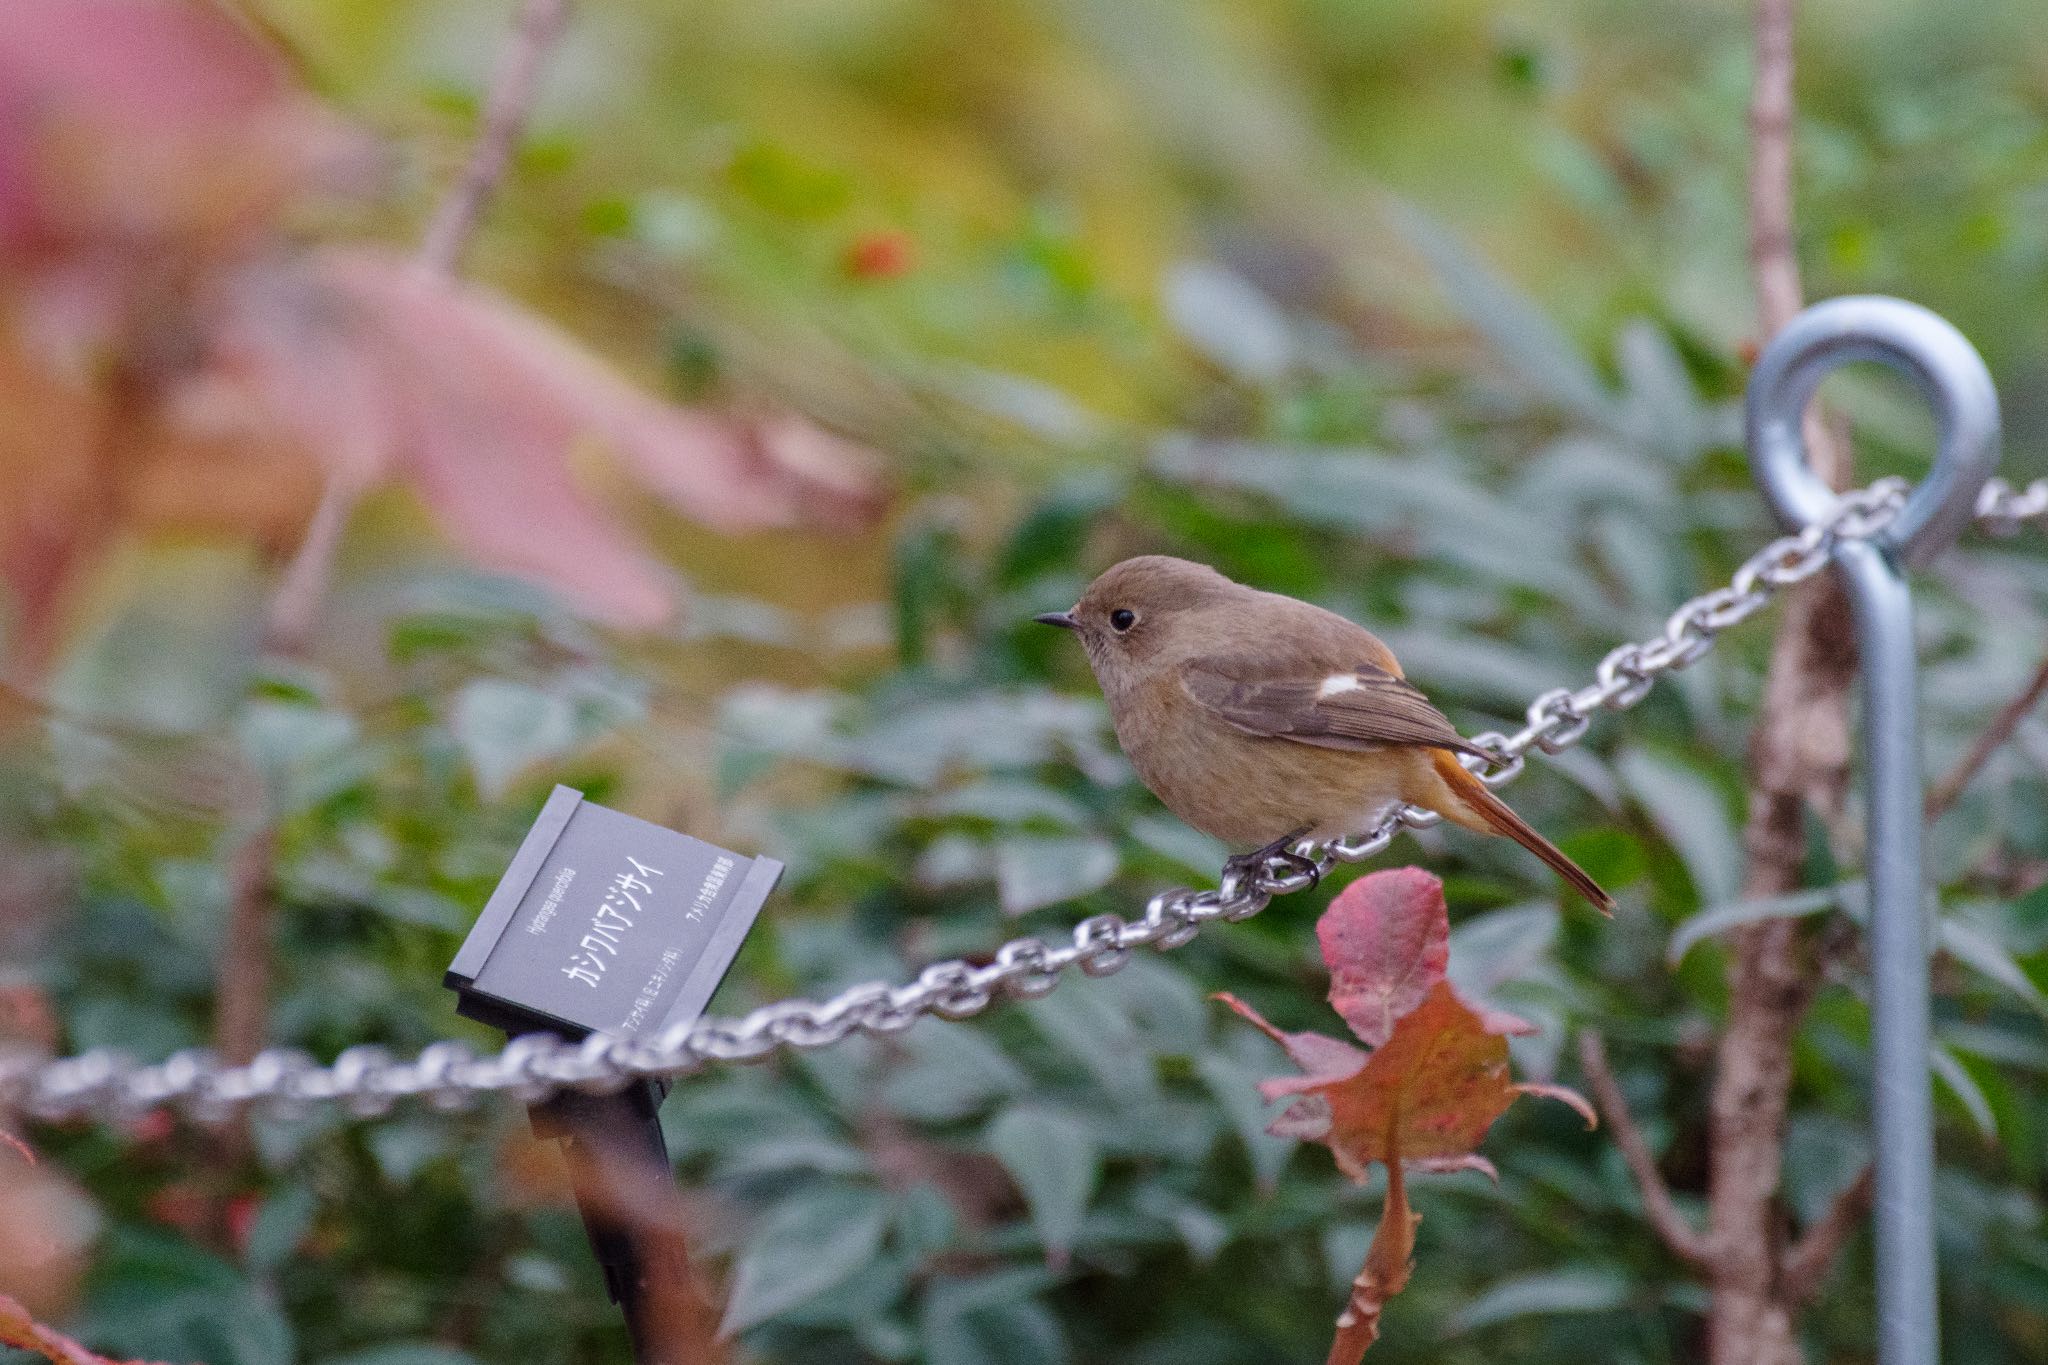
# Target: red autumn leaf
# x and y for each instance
(1433, 1083)
(20, 1330)
(1386, 941)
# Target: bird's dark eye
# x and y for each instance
(1122, 619)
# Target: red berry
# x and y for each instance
(152, 1127)
(240, 1216)
(879, 255)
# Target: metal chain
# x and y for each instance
(368, 1080)
(2004, 509)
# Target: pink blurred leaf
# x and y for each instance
(388, 371)
(128, 119)
(147, 151)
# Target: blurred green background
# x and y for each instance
(1435, 314)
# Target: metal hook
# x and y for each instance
(1934, 355)
(1953, 379)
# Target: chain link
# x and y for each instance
(2004, 509)
(368, 1080)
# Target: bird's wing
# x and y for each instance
(1359, 707)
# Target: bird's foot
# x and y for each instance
(1246, 866)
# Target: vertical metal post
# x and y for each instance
(1952, 377)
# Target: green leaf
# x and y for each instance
(1719, 919)
(165, 1300)
(1490, 950)
(1033, 872)
(1520, 331)
(1007, 802)
(1087, 1026)
(279, 1226)
(794, 1153)
(2024, 1048)
(1233, 1081)
(814, 1240)
(506, 727)
(1054, 1162)
(1233, 324)
(306, 753)
(949, 1073)
(404, 1353)
(1177, 843)
(991, 1320)
(1591, 1290)
(1956, 1078)
(1970, 945)
(1691, 813)
(1661, 406)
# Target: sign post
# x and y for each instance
(604, 923)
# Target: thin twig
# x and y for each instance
(1946, 792)
(242, 988)
(1771, 110)
(1808, 1260)
(295, 604)
(241, 1000)
(1686, 1242)
(513, 85)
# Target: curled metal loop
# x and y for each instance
(1868, 543)
(1917, 343)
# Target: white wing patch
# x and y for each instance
(1339, 682)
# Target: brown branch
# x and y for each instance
(1808, 1260)
(513, 85)
(241, 1020)
(1771, 114)
(1799, 761)
(1686, 1242)
(241, 1009)
(1952, 784)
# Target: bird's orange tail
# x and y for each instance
(1493, 815)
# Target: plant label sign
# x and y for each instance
(607, 924)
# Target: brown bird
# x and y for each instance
(1260, 719)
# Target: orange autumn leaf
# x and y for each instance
(1423, 1097)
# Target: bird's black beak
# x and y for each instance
(1063, 619)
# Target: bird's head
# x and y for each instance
(1141, 610)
